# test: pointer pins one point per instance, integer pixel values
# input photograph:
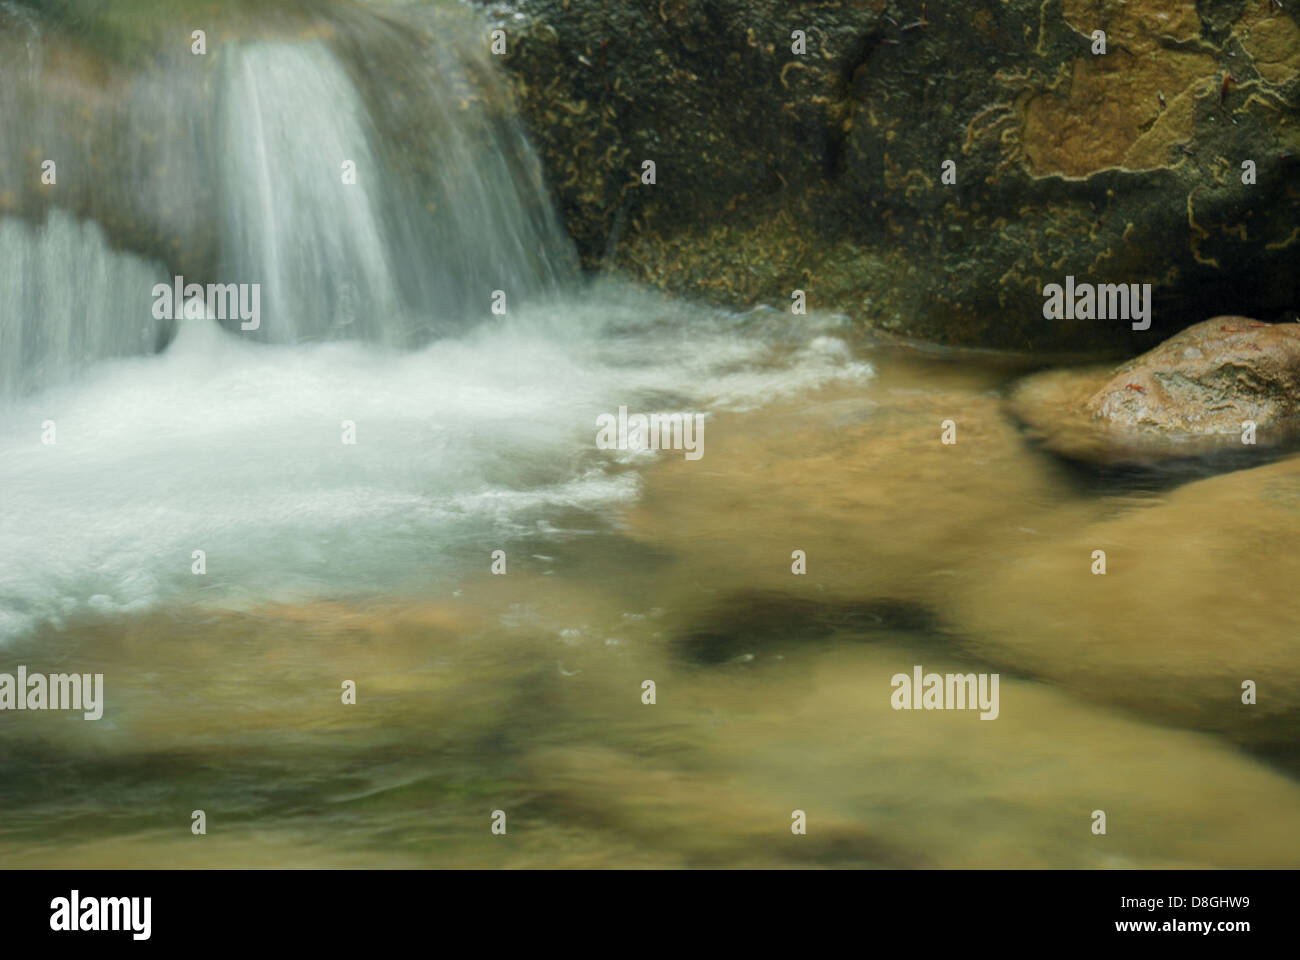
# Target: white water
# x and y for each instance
(268, 168)
(235, 448)
(229, 444)
(291, 224)
(67, 300)
(353, 252)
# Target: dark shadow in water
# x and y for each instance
(1166, 475)
(749, 625)
(1283, 753)
(764, 621)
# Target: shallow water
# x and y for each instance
(522, 692)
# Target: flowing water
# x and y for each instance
(231, 524)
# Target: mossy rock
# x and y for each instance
(823, 171)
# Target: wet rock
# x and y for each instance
(823, 171)
(114, 97)
(862, 483)
(1194, 602)
(904, 788)
(710, 92)
(1199, 392)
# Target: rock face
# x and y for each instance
(1193, 394)
(823, 170)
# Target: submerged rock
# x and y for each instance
(1195, 601)
(899, 788)
(865, 488)
(1224, 384)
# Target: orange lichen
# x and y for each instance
(1110, 113)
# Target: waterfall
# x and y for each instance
(67, 300)
(381, 424)
(317, 245)
(363, 206)
(341, 243)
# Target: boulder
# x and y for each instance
(823, 171)
(1227, 384)
(1195, 601)
(862, 483)
(898, 788)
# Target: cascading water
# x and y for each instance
(290, 222)
(69, 300)
(339, 241)
(367, 176)
(130, 445)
